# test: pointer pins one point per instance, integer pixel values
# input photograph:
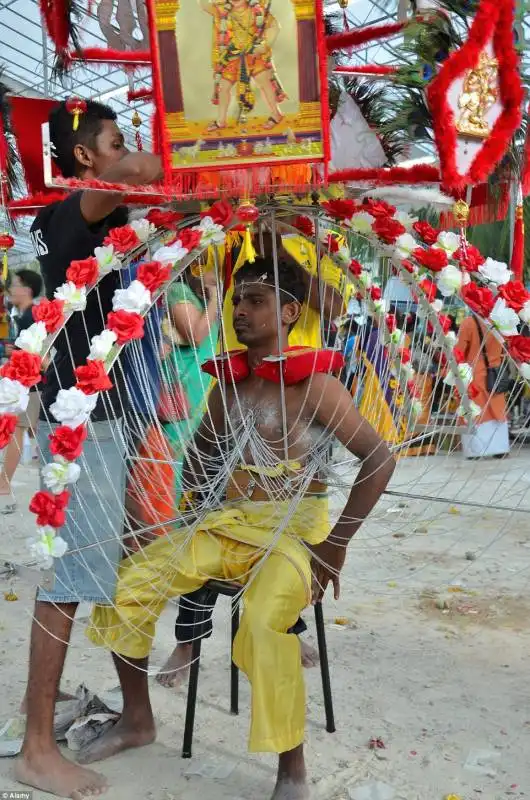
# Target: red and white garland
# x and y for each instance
(73, 407)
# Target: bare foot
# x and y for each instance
(291, 783)
(61, 697)
(176, 669)
(123, 736)
(310, 657)
(51, 772)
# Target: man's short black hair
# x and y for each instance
(32, 280)
(64, 138)
(291, 280)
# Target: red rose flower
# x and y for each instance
(92, 377)
(388, 229)
(391, 322)
(23, 367)
(514, 294)
(375, 293)
(83, 273)
(479, 299)
(126, 325)
(519, 347)
(153, 274)
(51, 312)
(445, 322)
(426, 232)
(355, 268)
(221, 212)
(404, 355)
(469, 258)
(412, 389)
(122, 239)
(408, 265)
(378, 208)
(472, 391)
(429, 289)
(332, 243)
(189, 238)
(8, 423)
(459, 355)
(161, 218)
(304, 225)
(50, 508)
(340, 209)
(432, 258)
(67, 442)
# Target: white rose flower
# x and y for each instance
(343, 255)
(101, 345)
(362, 222)
(495, 271)
(407, 220)
(450, 339)
(448, 241)
(58, 474)
(170, 255)
(14, 397)
(524, 370)
(404, 245)
(505, 319)
(416, 407)
(463, 371)
(524, 313)
(211, 232)
(380, 306)
(46, 546)
(136, 298)
(73, 407)
(472, 411)
(73, 298)
(143, 229)
(437, 305)
(107, 259)
(365, 278)
(397, 336)
(32, 339)
(449, 280)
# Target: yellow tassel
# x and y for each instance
(77, 114)
(4, 267)
(247, 251)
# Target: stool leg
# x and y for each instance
(234, 672)
(193, 684)
(324, 668)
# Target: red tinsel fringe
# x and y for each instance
(30, 205)
(493, 18)
(324, 84)
(342, 41)
(110, 56)
(140, 94)
(517, 264)
(56, 15)
(374, 69)
(160, 136)
(420, 173)
(484, 208)
(525, 178)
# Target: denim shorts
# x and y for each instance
(94, 518)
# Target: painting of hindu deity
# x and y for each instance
(240, 81)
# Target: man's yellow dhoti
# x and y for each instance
(260, 545)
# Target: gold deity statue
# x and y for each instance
(479, 93)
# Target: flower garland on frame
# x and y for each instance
(73, 407)
(442, 261)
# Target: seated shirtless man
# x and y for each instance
(270, 533)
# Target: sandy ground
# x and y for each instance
(431, 659)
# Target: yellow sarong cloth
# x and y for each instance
(258, 545)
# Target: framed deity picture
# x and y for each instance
(240, 82)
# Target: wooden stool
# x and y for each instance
(234, 590)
